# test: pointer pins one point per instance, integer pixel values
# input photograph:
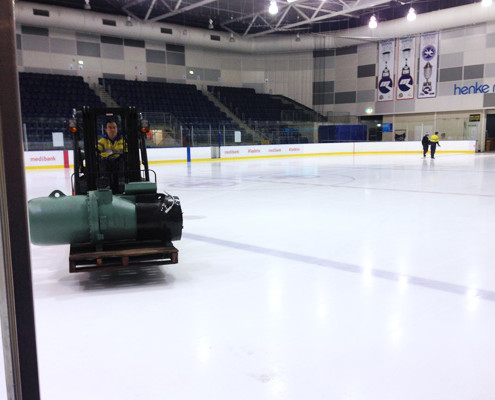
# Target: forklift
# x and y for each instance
(115, 218)
(91, 170)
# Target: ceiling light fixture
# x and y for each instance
(87, 6)
(210, 24)
(486, 3)
(129, 21)
(373, 22)
(232, 38)
(411, 15)
(273, 8)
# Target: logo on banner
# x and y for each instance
(386, 84)
(429, 53)
(428, 65)
(427, 86)
(406, 83)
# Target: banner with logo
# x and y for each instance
(406, 61)
(386, 58)
(428, 65)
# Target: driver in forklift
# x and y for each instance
(112, 143)
(110, 148)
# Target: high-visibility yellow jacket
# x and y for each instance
(434, 139)
(108, 147)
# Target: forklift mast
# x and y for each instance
(88, 123)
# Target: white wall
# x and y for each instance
(287, 74)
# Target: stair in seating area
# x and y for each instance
(232, 116)
(105, 96)
(307, 114)
(167, 139)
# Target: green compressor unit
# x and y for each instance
(139, 214)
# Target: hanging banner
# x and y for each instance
(405, 68)
(428, 65)
(386, 57)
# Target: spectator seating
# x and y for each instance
(261, 111)
(54, 96)
(198, 115)
(249, 105)
(47, 101)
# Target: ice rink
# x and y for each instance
(332, 278)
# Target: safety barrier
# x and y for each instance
(64, 158)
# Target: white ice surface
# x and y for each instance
(333, 278)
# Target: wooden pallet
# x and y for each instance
(88, 257)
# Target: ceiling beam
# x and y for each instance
(282, 17)
(344, 9)
(323, 17)
(182, 10)
(178, 5)
(132, 3)
(317, 10)
(250, 25)
(301, 13)
(166, 4)
(149, 10)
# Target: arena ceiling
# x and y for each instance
(250, 18)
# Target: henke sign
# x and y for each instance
(477, 88)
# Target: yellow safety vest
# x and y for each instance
(434, 139)
(106, 147)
